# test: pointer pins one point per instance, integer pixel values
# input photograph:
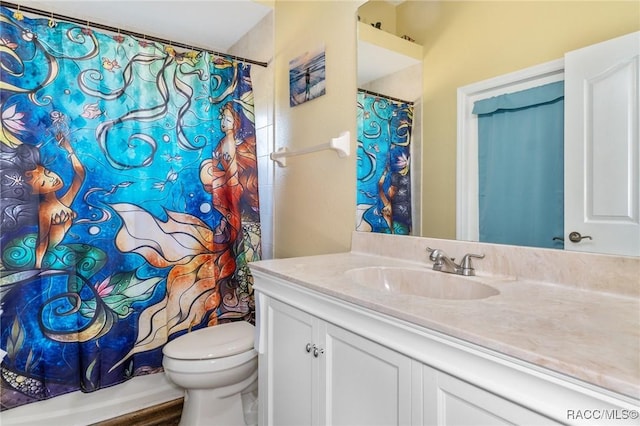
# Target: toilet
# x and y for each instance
(218, 368)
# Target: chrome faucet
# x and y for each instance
(444, 263)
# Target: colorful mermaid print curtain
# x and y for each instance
(384, 165)
(129, 203)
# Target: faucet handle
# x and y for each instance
(435, 255)
(465, 264)
(432, 252)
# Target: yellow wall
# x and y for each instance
(466, 42)
(314, 197)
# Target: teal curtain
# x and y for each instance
(521, 167)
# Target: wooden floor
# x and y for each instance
(166, 414)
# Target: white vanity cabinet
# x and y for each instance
(328, 361)
(318, 373)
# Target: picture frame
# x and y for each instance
(307, 76)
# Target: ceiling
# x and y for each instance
(211, 24)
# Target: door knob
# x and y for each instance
(575, 237)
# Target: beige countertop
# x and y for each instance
(589, 335)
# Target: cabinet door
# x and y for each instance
(365, 383)
(291, 390)
(453, 402)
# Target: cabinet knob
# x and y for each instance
(317, 351)
(308, 347)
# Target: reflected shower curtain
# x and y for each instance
(384, 165)
(129, 203)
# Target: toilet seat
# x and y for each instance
(210, 365)
(220, 341)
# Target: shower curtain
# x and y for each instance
(384, 165)
(129, 203)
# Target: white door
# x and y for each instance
(602, 157)
(452, 402)
(292, 370)
(366, 383)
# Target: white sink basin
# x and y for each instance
(421, 282)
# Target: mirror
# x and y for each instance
(465, 42)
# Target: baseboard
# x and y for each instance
(165, 414)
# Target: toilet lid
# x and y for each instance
(212, 342)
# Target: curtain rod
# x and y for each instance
(380, 95)
(52, 15)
